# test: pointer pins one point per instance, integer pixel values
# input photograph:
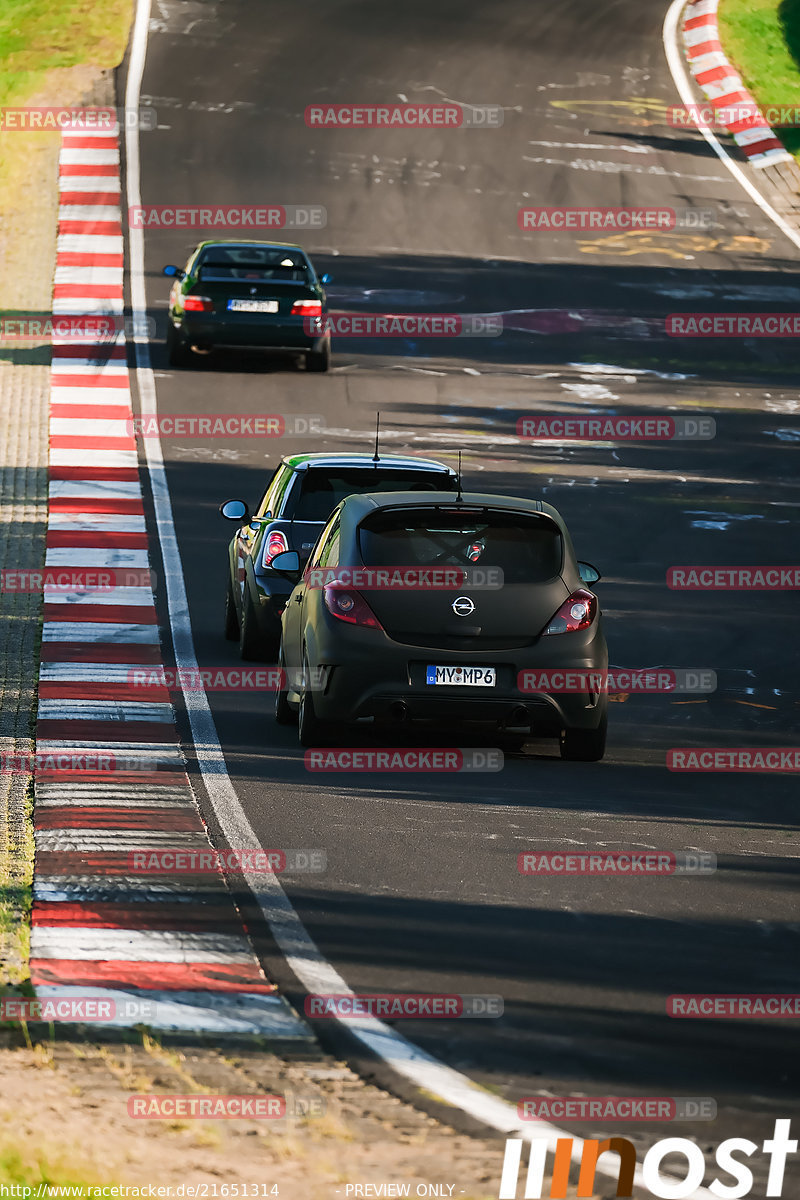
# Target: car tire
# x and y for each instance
(284, 713)
(310, 730)
(319, 360)
(584, 745)
(251, 648)
(178, 353)
(231, 619)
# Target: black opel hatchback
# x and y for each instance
(440, 609)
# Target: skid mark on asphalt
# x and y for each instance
(112, 779)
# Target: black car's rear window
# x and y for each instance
(221, 264)
(321, 491)
(526, 548)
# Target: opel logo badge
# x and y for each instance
(463, 606)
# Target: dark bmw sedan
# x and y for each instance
(443, 609)
(250, 295)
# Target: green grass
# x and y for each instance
(16, 881)
(38, 35)
(762, 39)
(32, 1168)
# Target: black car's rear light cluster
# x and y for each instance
(348, 605)
(198, 304)
(307, 308)
(575, 614)
(276, 544)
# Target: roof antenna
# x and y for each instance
(459, 497)
(376, 456)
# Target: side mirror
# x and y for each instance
(286, 563)
(326, 278)
(235, 510)
(588, 573)
(174, 272)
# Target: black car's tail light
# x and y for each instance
(276, 544)
(350, 606)
(576, 613)
(307, 308)
(197, 304)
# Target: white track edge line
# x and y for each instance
(680, 78)
(300, 951)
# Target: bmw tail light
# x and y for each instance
(197, 304)
(307, 308)
(347, 605)
(576, 613)
(276, 544)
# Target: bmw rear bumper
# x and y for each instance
(285, 336)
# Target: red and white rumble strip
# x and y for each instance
(111, 777)
(719, 82)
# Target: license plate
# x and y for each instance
(268, 306)
(461, 676)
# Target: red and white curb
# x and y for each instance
(100, 928)
(722, 86)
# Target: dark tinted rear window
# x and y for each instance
(527, 549)
(321, 491)
(252, 263)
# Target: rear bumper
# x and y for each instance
(367, 675)
(285, 336)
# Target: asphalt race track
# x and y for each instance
(422, 891)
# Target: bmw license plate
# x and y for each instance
(266, 306)
(461, 676)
